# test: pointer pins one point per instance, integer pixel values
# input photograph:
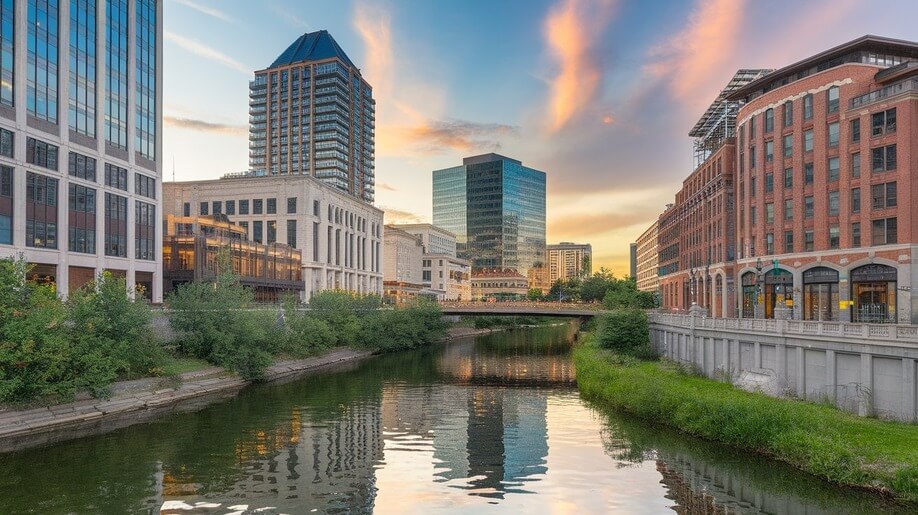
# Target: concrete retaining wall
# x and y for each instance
(862, 368)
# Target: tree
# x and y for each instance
(534, 294)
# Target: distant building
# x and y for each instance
(444, 275)
(499, 284)
(632, 252)
(191, 253)
(568, 260)
(340, 237)
(496, 208)
(648, 272)
(312, 113)
(538, 278)
(435, 240)
(403, 257)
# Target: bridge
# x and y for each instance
(554, 309)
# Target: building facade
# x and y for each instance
(312, 113)
(496, 208)
(192, 247)
(648, 270)
(443, 275)
(499, 284)
(339, 236)
(81, 140)
(568, 260)
(403, 257)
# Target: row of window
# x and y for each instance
(884, 231)
(882, 196)
(269, 206)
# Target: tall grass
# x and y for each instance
(818, 439)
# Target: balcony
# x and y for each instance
(905, 86)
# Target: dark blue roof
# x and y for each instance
(312, 46)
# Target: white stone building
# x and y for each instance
(402, 259)
(339, 235)
(443, 274)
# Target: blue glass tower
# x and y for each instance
(496, 208)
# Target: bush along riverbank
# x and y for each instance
(818, 439)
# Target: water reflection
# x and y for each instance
(493, 424)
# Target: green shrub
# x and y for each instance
(625, 331)
(402, 328)
(341, 311)
(306, 333)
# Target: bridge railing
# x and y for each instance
(521, 305)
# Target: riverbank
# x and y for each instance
(818, 439)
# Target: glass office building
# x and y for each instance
(496, 208)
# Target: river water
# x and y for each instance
(493, 424)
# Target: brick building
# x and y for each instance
(648, 270)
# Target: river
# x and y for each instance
(493, 424)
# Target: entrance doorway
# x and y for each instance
(820, 294)
(779, 285)
(873, 290)
(749, 294)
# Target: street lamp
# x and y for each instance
(692, 284)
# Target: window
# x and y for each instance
(770, 243)
(82, 77)
(144, 186)
(808, 206)
(808, 173)
(244, 207)
(770, 213)
(856, 130)
(116, 177)
(257, 206)
(769, 120)
(245, 226)
(751, 129)
(884, 231)
(291, 205)
(204, 209)
(833, 134)
(272, 231)
(230, 207)
(769, 182)
(6, 139)
(883, 122)
(883, 196)
(789, 209)
(834, 169)
(769, 151)
(788, 241)
(315, 209)
(808, 140)
(42, 59)
(7, 37)
(217, 207)
(855, 165)
(315, 241)
(82, 225)
(291, 233)
(40, 153)
(788, 178)
(81, 167)
(752, 158)
(788, 145)
(788, 113)
(115, 225)
(145, 74)
(272, 206)
(6, 206)
(258, 231)
(856, 234)
(884, 158)
(752, 217)
(186, 209)
(855, 200)
(808, 240)
(834, 237)
(144, 231)
(808, 107)
(832, 100)
(116, 73)
(833, 203)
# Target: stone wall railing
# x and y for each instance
(868, 369)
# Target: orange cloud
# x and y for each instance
(696, 61)
(204, 126)
(570, 29)
(400, 216)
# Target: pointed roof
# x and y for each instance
(312, 46)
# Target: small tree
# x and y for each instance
(625, 331)
(534, 294)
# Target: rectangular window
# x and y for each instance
(217, 207)
(245, 226)
(788, 144)
(856, 234)
(751, 129)
(291, 205)
(230, 207)
(833, 203)
(770, 243)
(257, 206)
(41, 211)
(116, 73)
(808, 240)
(752, 158)
(788, 113)
(6, 137)
(145, 78)
(116, 177)
(808, 173)
(834, 167)
(752, 186)
(144, 186)
(883, 196)
(272, 231)
(884, 231)
(769, 151)
(81, 106)
(205, 209)
(258, 231)
(315, 209)
(40, 153)
(856, 130)
(769, 182)
(244, 207)
(808, 107)
(6, 205)
(272, 206)
(808, 140)
(769, 120)
(788, 178)
(808, 206)
(832, 100)
(81, 167)
(42, 61)
(82, 219)
(834, 134)
(884, 158)
(291, 233)
(788, 241)
(855, 200)
(7, 48)
(883, 122)
(144, 231)
(115, 225)
(752, 217)
(789, 209)
(769, 213)
(315, 241)
(834, 237)
(186, 209)
(855, 165)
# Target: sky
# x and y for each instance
(598, 94)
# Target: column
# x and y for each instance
(865, 400)
(831, 388)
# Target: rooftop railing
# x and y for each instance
(888, 91)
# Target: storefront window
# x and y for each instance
(749, 291)
(873, 290)
(779, 285)
(820, 294)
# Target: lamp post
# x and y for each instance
(692, 284)
(759, 306)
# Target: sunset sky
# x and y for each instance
(599, 94)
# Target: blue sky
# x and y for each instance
(599, 94)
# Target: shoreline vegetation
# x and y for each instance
(616, 369)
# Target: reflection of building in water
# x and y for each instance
(525, 433)
(466, 364)
(486, 440)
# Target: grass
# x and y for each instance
(817, 439)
